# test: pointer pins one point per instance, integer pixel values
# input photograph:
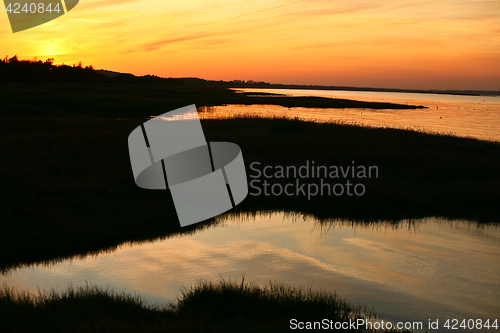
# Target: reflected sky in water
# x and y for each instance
(428, 269)
(474, 116)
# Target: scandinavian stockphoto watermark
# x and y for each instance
(31, 13)
(371, 325)
(357, 324)
(310, 180)
(205, 178)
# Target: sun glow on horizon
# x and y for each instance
(400, 43)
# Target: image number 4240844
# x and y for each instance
(31, 13)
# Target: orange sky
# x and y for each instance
(437, 44)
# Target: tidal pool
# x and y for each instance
(417, 270)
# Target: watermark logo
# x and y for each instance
(310, 180)
(28, 14)
(205, 178)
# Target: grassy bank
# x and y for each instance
(206, 307)
(141, 100)
(67, 187)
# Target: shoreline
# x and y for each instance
(223, 306)
(266, 85)
(143, 100)
(82, 197)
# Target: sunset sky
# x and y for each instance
(438, 44)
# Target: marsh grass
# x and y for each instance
(224, 306)
(109, 100)
(247, 300)
(421, 174)
(68, 189)
(82, 309)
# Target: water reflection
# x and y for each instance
(474, 116)
(413, 270)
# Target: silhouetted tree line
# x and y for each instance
(37, 71)
(226, 84)
(146, 79)
(14, 70)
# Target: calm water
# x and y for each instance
(428, 269)
(475, 116)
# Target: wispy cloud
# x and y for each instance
(265, 10)
(152, 46)
(269, 37)
(104, 3)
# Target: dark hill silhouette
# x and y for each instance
(14, 70)
(37, 75)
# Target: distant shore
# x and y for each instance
(136, 98)
(266, 85)
(15, 70)
(65, 90)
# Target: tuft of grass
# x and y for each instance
(224, 306)
(87, 308)
(276, 301)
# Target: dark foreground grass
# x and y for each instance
(225, 306)
(419, 174)
(67, 187)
